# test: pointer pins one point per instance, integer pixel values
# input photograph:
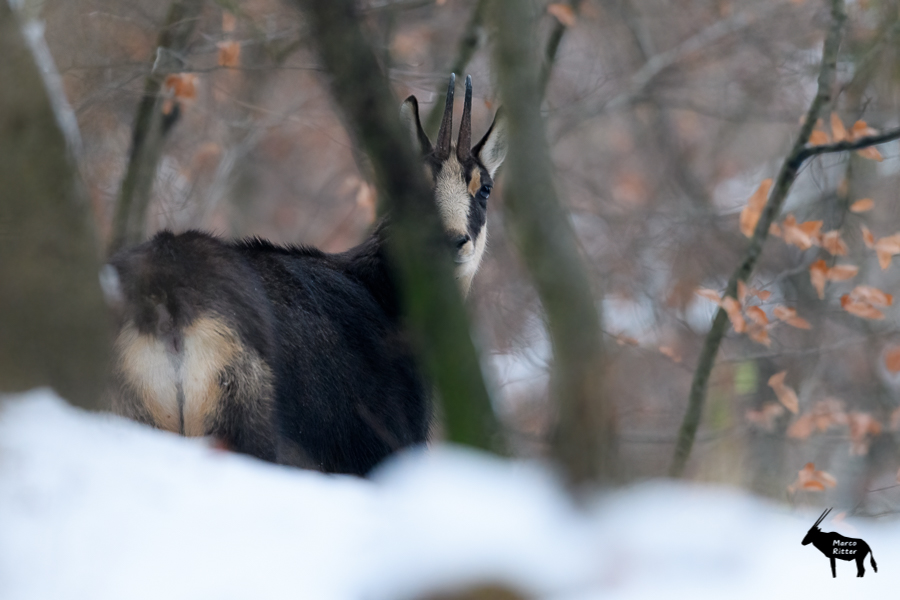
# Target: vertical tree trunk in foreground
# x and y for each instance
(52, 318)
(434, 309)
(584, 439)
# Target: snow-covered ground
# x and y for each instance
(94, 507)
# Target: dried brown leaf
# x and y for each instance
(751, 213)
(229, 54)
(818, 138)
(860, 130)
(709, 295)
(733, 308)
(868, 238)
(182, 86)
(871, 153)
(862, 205)
(842, 272)
(872, 295)
(672, 353)
(818, 276)
(563, 13)
(229, 21)
(833, 243)
(838, 131)
(860, 309)
(759, 334)
(863, 427)
(786, 395)
(802, 428)
(892, 359)
(757, 315)
(808, 478)
(765, 417)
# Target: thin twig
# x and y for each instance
(469, 43)
(148, 133)
(788, 173)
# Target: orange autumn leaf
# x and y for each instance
(818, 276)
(757, 315)
(872, 295)
(862, 205)
(183, 86)
(733, 308)
(764, 418)
(838, 131)
(229, 54)
(786, 395)
(803, 235)
(860, 130)
(833, 243)
(751, 213)
(892, 360)
(229, 21)
(761, 294)
(827, 413)
(810, 479)
(818, 138)
(860, 309)
(863, 427)
(789, 316)
(742, 291)
(671, 353)
(842, 272)
(775, 230)
(886, 248)
(802, 428)
(709, 294)
(563, 13)
(871, 153)
(868, 238)
(759, 334)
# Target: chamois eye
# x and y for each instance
(484, 192)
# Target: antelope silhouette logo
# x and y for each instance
(834, 545)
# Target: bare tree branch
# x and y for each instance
(432, 301)
(149, 133)
(786, 176)
(552, 47)
(584, 439)
(469, 43)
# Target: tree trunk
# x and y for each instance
(53, 326)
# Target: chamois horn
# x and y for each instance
(442, 145)
(464, 143)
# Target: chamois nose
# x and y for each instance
(461, 241)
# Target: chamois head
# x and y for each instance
(815, 528)
(462, 175)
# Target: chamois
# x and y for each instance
(288, 353)
(834, 545)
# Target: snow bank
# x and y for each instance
(95, 507)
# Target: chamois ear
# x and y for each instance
(409, 116)
(491, 150)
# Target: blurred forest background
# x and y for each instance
(663, 118)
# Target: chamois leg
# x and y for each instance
(833, 568)
(860, 565)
